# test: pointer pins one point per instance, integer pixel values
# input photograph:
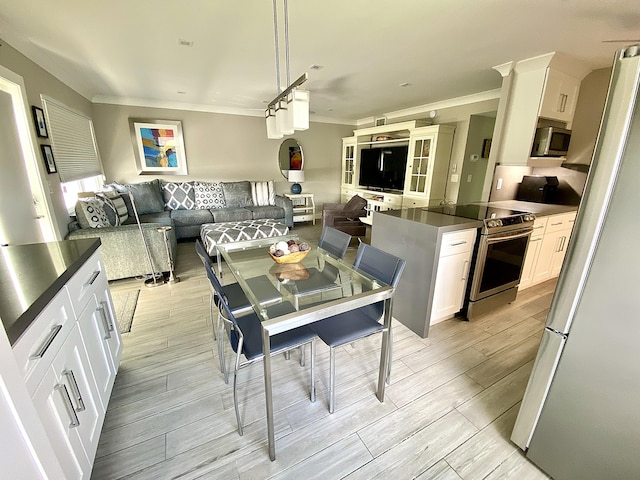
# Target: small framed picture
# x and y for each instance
(41, 125)
(49, 161)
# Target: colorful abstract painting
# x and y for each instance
(159, 147)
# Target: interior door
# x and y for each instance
(18, 218)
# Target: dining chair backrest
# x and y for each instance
(379, 264)
(202, 253)
(235, 334)
(334, 241)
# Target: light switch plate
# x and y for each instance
(499, 184)
(454, 178)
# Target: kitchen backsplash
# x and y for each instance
(571, 183)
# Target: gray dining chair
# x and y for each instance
(322, 279)
(237, 300)
(355, 324)
(245, 338)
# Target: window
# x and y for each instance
(74, 149)
(73, 141)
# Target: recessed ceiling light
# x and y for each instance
(182, 92)
(404, 84)
(185, 43)
(316, 67)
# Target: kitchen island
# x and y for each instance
(59, 353)
(438, 249)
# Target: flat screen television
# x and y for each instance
(383, 168)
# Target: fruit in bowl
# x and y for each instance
(290, 251)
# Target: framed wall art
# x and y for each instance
(41, 125)
(49, 161)
(158, 147)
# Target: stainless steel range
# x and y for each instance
(500, 252)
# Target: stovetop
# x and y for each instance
(495, 219)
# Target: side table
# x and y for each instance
(304, 207)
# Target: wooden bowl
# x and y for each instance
(290, 258)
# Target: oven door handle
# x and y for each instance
(491, 239)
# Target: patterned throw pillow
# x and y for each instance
(263, 193)
(179, 195)
(208, 195)
(90, 213)
(115, 201)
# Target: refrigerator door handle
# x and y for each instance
(544, 368)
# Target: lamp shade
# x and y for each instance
(296, 176)
(298, 109)
(283, 118)
(272, 126)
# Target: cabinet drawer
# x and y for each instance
(83, 284)
(39, 344)
(458, 242)
(560, 222)
(539, 226)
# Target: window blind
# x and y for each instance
(73, 140)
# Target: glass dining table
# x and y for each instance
(319, 287)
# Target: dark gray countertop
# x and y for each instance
(539, 209)
(31, 275)
(446, 223)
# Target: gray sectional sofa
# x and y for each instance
(184, 206)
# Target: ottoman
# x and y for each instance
(214, 234)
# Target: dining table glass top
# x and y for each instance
(285, 295)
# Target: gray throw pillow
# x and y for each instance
(90, 213)
(146, 195)
(237, 194)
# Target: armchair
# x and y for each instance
(346, 217)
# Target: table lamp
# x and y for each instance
(296, 177)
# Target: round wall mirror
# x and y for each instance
(290, 157)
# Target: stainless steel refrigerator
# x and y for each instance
(580, 415)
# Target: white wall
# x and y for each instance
(224, 148)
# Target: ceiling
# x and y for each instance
(129, 52)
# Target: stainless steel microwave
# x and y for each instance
(551, 142)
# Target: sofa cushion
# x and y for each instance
(146, 195)
(117, 203)
(179, 195)
(263, 193)
(191, 217)
(208, 195)
(163, 218)
(91, 214)
(237, 194)
(355, 203)
(231, 215)
(269, 211)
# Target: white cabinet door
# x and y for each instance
(69, 408)
(349, 162)
(530, 260)
(417, 179)
(560, 96)
(451, 281)
(558, 257)
(96, 332)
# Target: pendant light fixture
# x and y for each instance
(289, 111)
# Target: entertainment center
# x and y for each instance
(398, 165)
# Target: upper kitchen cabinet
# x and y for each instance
(536, 91)
(559, 96)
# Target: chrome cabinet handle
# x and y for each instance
(93, 278)
(105, 322)
(66, 399)
(75, 390)
(556, 224)
(464, 269)
(457, 243)
(47, 342)
(105, 306)
(534, 240)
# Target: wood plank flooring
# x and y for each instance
(448, 413)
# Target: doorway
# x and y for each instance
(24, 205)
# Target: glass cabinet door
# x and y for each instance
(418, 170)
(348, 165)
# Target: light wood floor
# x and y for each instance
(448, 413)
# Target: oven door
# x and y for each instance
(499, 263)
